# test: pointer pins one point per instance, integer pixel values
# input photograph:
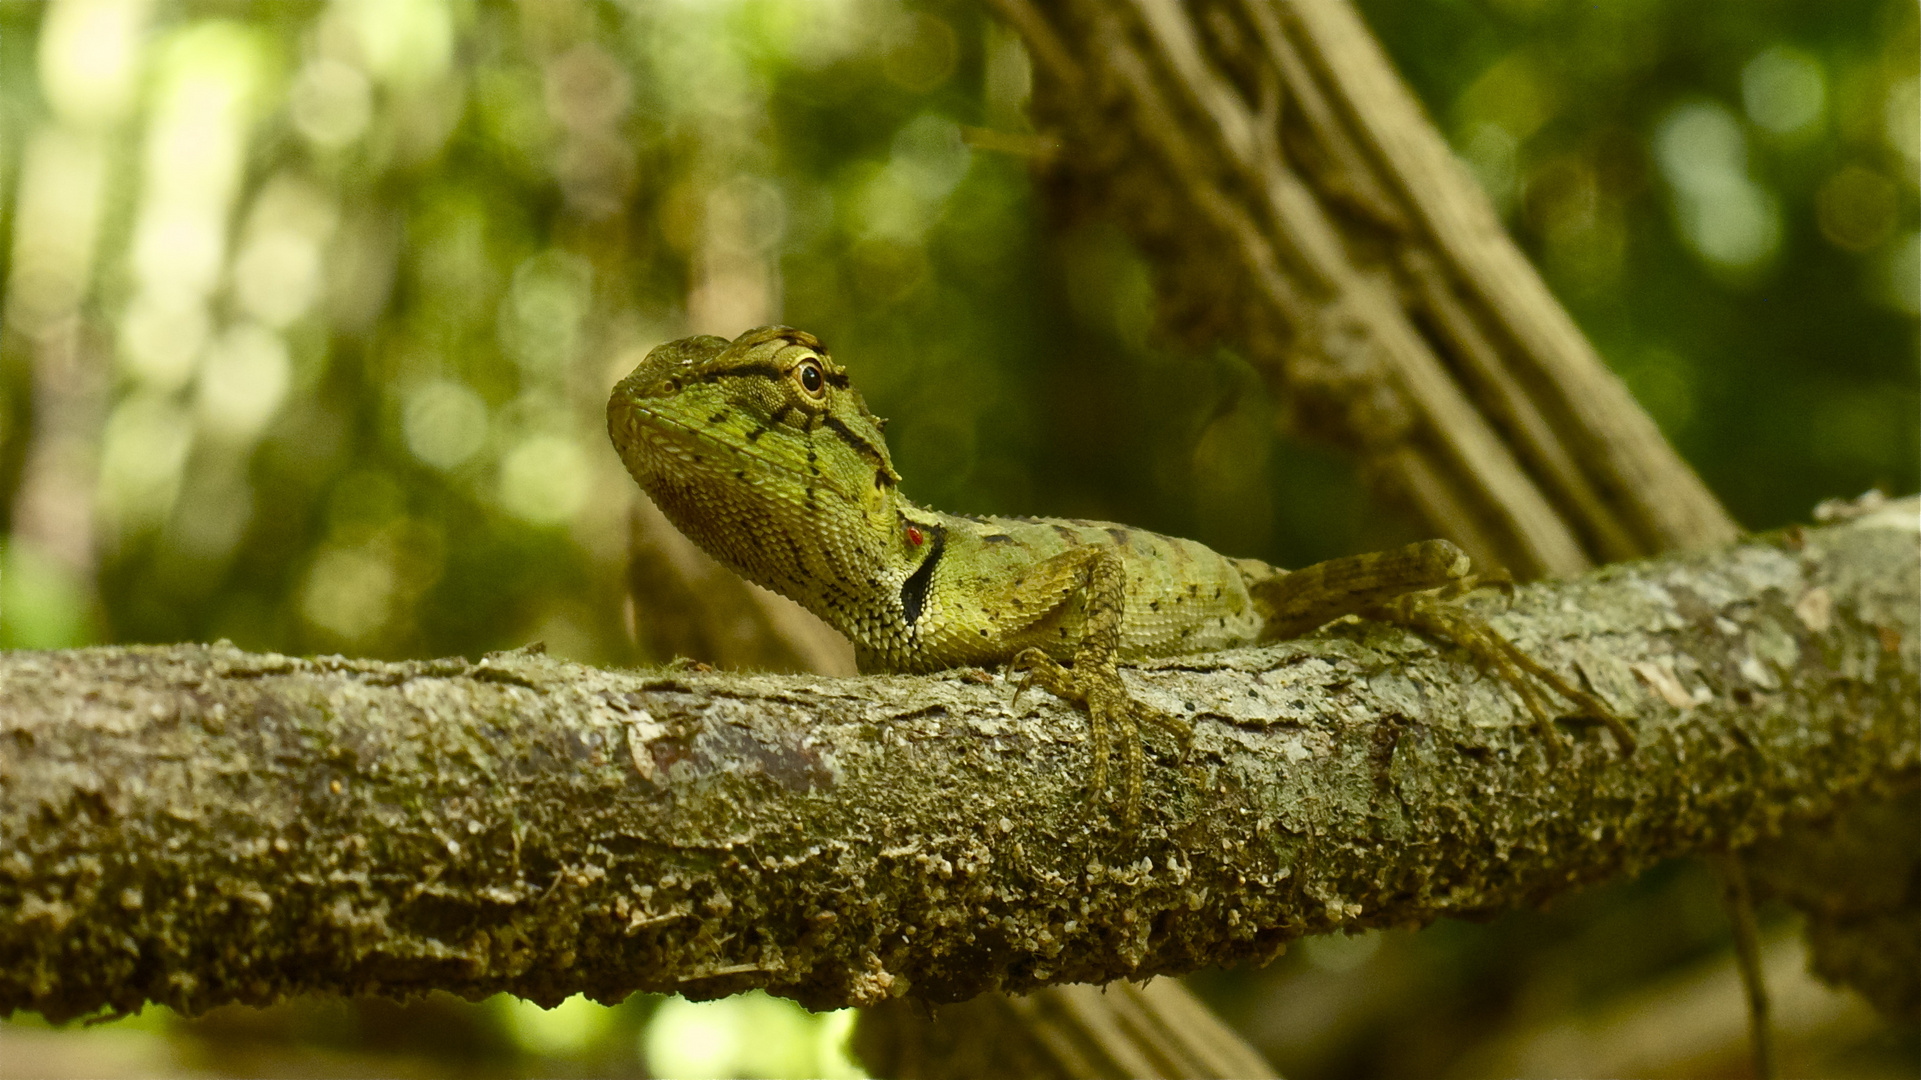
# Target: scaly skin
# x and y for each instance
(763, 453)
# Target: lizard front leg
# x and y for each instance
(1099, 577)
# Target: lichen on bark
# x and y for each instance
(197, 825)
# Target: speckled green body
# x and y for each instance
(798, 494)
(997, 591)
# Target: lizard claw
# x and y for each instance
(1027, 663)
(1173, 725)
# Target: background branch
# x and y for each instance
(196, 825)
(1298, 205)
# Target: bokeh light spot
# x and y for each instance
(244, 381)
(61, 187)
(748, 1035)
(902, 200)
(279, 270)
(586, 88)
(178, 251)
(277, 276)
(1700, 145)
(142, 450)
(544, 479)
(1857, 207)
(567, 1029)
(921, 50)
(349, 592)
(812, 34)
(548, 300)
(1731, 222)
(1902, 117)
(929, 150)
(406, 42)
(1742, 229)
(195, 144)
(330, 102)
(160, 336)
(1785, 91)
(1511, 92)
(1492, 154)
(445, 423)
(89, 58)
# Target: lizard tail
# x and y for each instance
(1294, 602)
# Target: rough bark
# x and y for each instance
(1297, 204)
(196, 825)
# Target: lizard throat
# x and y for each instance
(800, 533)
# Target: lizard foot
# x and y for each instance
(1432, 614)
(1098, 689)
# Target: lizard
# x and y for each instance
(763, 453)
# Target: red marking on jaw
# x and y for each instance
(914, 536)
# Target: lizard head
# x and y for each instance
(762, 453)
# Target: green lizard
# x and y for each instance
(764, 454)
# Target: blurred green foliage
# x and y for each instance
(323, 368)
(1724, 196)
(311, 308)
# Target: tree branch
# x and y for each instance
(196, 825)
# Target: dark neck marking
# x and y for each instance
(913, 591)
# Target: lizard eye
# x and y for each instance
(808, 374)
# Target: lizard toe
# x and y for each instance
(1036, 668)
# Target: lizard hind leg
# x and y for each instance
(1294, 602)
(1435, 615)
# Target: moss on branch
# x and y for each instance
(197, 825)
